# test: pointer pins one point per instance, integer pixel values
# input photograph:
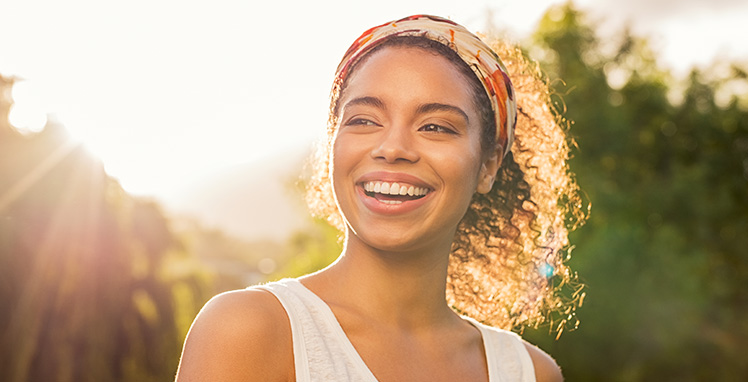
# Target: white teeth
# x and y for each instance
(395, 189)
(392, 201)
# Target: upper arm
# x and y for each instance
(546, 368)
(242, 335)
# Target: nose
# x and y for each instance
(395, 145)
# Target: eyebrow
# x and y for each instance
(365, 101)
(422, 109)
(432, 107)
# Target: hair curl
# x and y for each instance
(507, 264)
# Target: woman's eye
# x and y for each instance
(436, 129)
(360, 122)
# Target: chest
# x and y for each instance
(400, 357)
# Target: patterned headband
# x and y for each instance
(485, 63)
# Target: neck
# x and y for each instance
(404, 289)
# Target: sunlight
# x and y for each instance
(22, 185)
(27, 114)
(58, 256)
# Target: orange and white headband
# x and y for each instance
(484, 62)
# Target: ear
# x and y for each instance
(488, 170)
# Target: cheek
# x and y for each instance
(334, 165)
(347, 150)
(338, 155)
(342, 159)
(469, 172)
(464, 163)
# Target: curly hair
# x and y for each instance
(507, 263)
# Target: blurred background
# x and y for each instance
(150, 157)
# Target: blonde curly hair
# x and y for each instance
(507, 264)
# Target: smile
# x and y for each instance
(393, 192)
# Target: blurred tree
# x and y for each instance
(665, 252)
(84, 291)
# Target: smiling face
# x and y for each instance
(407, 155)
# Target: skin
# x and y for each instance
(406, 114)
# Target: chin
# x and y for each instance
(392, 239)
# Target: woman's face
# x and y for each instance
(407, 157)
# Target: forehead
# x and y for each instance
(410, 72)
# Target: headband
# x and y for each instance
(480, 58)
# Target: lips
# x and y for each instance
(392, 193)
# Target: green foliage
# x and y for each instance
(311, 250)
(665, 252)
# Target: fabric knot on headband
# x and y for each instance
(484, 62)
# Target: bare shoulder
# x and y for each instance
(242, 335)
(546, 368)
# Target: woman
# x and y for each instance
(440, 214)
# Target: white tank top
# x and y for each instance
(322, 351)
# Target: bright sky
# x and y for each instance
(166, 91)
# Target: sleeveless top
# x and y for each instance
(323, 352)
